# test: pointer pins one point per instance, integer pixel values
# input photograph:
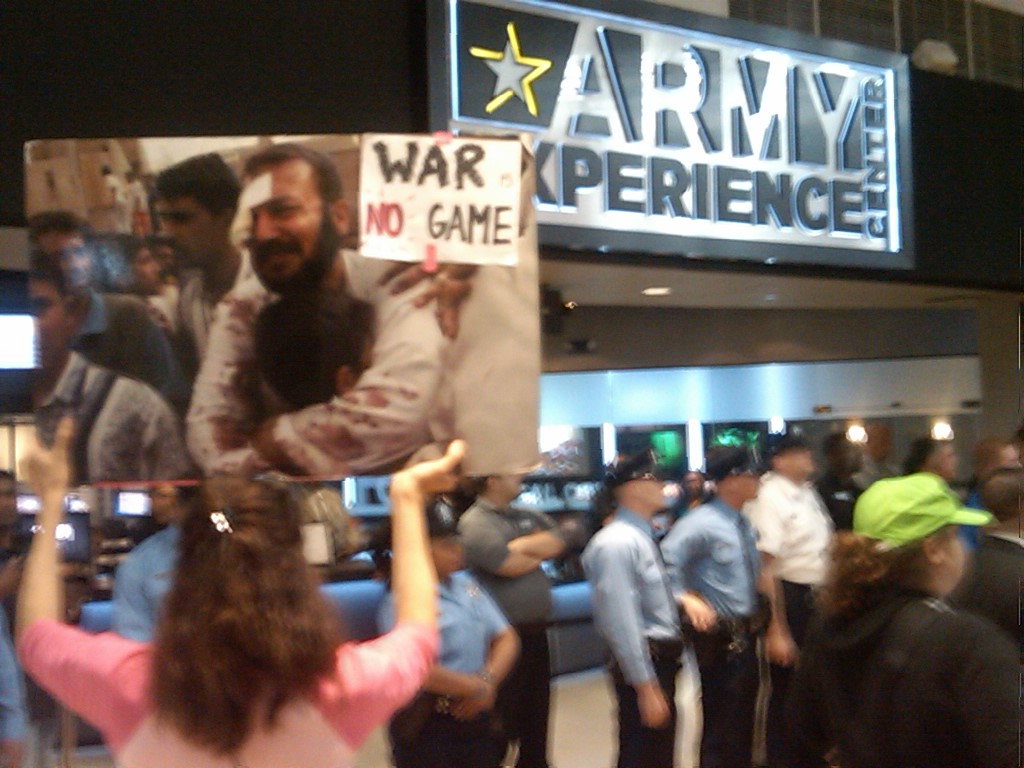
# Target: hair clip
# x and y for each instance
(221, 523)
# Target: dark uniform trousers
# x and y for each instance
(445, 742)
(640, 746)
(780, 744)
(524, 698)
(727, 659)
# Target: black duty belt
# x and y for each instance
(735, 633)
(737, 625)
(665, 648)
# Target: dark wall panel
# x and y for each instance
(968, 147)
(204, 68)
(645, 337)
(188, 68)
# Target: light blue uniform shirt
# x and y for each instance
(632, 598)
(12, 688)
(142, 581)
(712, 551)
(467, 621)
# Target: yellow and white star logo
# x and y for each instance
(515, 72)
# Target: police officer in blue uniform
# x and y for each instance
(635, 612)
(451, 723)
(712, 561)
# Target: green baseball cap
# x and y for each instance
(900, 510)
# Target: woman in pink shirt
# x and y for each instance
(247, 669)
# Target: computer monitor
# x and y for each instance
(569, 452)
(72, 534)
(366, 495)
(579, 494)
(27, 503)
(73, 503)
(667, 441)
(133, 503)
(18, 352)
(73, 538)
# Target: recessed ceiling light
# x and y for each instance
(657, 290)
(856, 433)
(770, 297)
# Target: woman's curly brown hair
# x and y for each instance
(862, 569)
(244, 629)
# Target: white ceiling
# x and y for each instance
(591, 284)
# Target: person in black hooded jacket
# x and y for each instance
(892, 677)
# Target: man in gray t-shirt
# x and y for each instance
(504, 549)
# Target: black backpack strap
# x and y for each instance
(88, 412)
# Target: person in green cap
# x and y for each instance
(891, 676)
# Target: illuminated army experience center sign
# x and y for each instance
(661, 131)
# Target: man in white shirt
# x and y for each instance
(196, 204)
(794, 530)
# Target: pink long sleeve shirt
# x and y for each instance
(105, 678)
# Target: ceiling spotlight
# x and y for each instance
(935, 56)
(657, 290)
(570, 305)
(942, 430)
(856, 433)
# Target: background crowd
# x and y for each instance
(876, 614)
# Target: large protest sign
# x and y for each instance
(439, 199)
(220, 282)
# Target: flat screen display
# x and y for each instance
(668, 442)
(27, 503)
(570, 452)
(76, 504)
(366, 496)
(72, 535)
(17, 342)
(132, 503)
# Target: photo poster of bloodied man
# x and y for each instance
(205, 305)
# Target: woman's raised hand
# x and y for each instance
(48, 469)
(433, 476)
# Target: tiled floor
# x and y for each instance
(583, 727)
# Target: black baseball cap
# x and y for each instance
(790, 442)
(725, 461)
(640, 466)
(441, 519)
